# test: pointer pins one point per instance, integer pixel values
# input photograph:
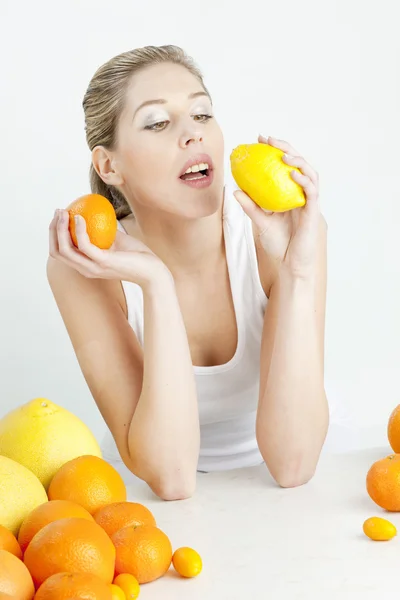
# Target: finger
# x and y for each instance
(309, 188)
(67, 251)
(252, 210)
(65, 244)
(84, 243)
(282, 145)
(53, 240)
(302, 164)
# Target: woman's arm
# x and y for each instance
(292, 417)
(148, 399)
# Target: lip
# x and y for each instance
(195, 160)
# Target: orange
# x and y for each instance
(144, 552)
(393, 430)
(8, 542)
(7, 596)
(121, 514)
(383, 482)
(47, 513)
(89, 481)
(100, 217)
(116, 593)
(187, 562)
(73, 546)
(71, 586)
(379, 530)
(129, 585)
(14, 577)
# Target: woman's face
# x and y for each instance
(166, 129)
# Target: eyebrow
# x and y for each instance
(163, 101)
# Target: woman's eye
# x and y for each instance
(202, 118)
(157, 126)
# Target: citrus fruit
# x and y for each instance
(39, 435)
(383, 482)
(6, 596)
(121, 514)
(47, 513)
(144, 552)
(89, 481)
(100, 217)
(14, 577)
(187, 562)
(393, 429)
(9, 542)
(260, 172)
(71, 586)
(379, 529)
(116, 593)
(70, 545)
(129, 585)
(20, 492)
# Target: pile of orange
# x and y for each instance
(383, 483)
(87, 541)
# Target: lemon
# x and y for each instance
(379, 530)
(260, 172)
(43, 436)
(20, 493)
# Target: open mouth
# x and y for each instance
(195, 172)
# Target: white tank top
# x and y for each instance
(227, 394)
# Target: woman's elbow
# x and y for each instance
(291, 479)
(173, 490)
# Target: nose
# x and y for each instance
(192, 135)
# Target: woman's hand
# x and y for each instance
(128, 259)
(290, 238)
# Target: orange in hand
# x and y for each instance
(71, 586)
(187, 562)
(89, 481)
(383, 482)
(15, 579)
(144, 552)
(121, 514)
(100, 217)
(72, 546)
(47, 513)
(8, 542)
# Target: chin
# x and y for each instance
(197, 204)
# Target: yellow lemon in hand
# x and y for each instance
(379, 530)
(260, 172)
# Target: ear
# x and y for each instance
(105, 166)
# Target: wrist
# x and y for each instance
(293, 283)
(158, 280)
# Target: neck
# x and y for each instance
(187, 247)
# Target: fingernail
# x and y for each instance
(287, 157)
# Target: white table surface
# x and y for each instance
(261, 542)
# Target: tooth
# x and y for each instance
(203, 166)
(189, 170)
(195, 168)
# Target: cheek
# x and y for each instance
(141, 160)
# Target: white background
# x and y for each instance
(323, 75)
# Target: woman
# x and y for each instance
(201, 332)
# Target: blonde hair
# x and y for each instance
(105, 98)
